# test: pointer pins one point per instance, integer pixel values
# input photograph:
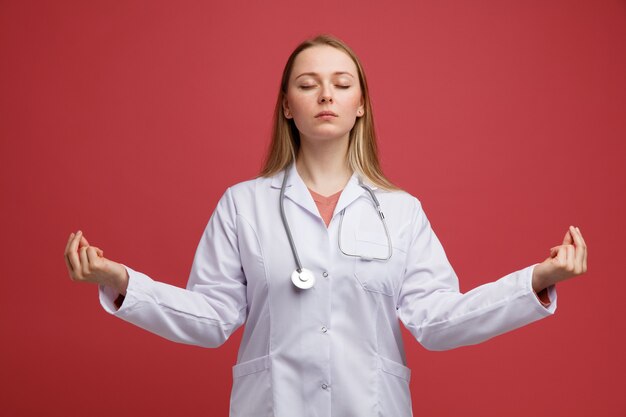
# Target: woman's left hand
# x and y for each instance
(565, 261)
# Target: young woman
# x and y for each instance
(305, 257)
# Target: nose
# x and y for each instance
(326, 99)
(325, 96)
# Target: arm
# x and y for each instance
(207, 312)
(441, 317)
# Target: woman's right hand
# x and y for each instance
(87, 263)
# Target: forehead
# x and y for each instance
(323, 59)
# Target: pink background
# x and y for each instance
(128, 120)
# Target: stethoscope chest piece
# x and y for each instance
(303, 279)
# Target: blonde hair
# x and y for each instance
(362, 148)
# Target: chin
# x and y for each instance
(326, 136)
(329, 138)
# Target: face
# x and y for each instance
(323, 94)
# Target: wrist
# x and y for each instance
(119, 280)
(539, 282)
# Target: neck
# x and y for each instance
(323, 165)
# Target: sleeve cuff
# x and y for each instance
(543, 297)
(546, 298)
(114, 303)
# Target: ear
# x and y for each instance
(360, 111)
(286, 110)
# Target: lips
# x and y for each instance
(326, 113)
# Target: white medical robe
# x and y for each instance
(335, 349)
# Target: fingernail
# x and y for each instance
(80, 232)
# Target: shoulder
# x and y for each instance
(240, 196)
(246, 188)
(406, 208)
(403, 214)
(399, 200)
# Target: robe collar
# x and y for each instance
(297, 191)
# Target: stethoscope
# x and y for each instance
(303, 278)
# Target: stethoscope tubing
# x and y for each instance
(286, 223)
(303, 278)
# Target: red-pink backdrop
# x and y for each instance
(128, 119)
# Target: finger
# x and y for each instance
(580, 236)
(584, 245)
(68, 264)
(69, 241)
(83, 241)
(568, 240)
(92, 255)
(65, 253)
(100, 252)
(576, 236)
(84, 261)
(580, 251)
(561, 256)
(75, 241)
(554, 251)
(73, 257)
(585, 251)
(571, 258)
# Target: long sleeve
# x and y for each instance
(214, 303)
(440, 317)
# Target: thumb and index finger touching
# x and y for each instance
(574, 243)
(572, 237)
(75, 242)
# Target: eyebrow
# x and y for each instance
(316, 74)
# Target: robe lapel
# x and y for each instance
(297, 191)
(351, 192)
